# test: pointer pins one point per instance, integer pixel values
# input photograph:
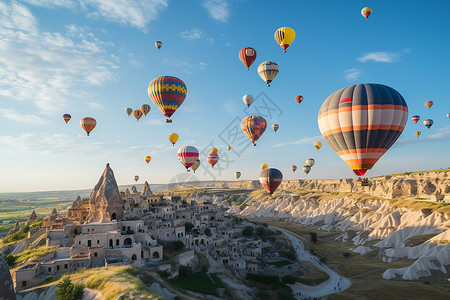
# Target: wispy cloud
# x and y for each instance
(185, 66)
(352, 74)
(136, 13)
(442, 134)
(303, 141)
(13, 115)
(218, 9)
(192, 34)
(386, 57)
(45, 67)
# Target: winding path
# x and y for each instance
(334, 284)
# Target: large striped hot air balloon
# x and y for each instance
(137, 114)
(213, 158)
(88, 124)
(268, 70)
(429, 104)
(248, 99)
(366, 12)
(145, 108)
(67, 117)
(428, 123)
(254, 127)
(361, 122)
(415, 119)
(270, 179)
(284, 36)
(188, 155)
(247, 56)
(168, 93)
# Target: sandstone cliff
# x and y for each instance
(146, 191)
(13, 230)
(105, 202)
(33, 217)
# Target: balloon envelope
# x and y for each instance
(247, 56)
(214, 150)
(88, 124)
(67, 117)
(318, 145)
(361, 122)
(275, 127)
(167, 93)
(195, 165)
(429, 103)
(294, 168)
(137, 114)
(136, 178)
(173, 138)
(366, 12)
(148, 158)
(129, 111)
(428, 123)
(145, 108)
(415, 119)
(284, 36)
(237, 175)
(228, 147)
(306, 169)
(417, 133)
(270, 179)
(158, 45)
(187, 155)
(310, 162)
(299, 99)
(268, 70)
(248, 99)
(448, 115)
(254, 127)
(213, 158)
(264, 166)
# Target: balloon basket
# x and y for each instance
(168, 121)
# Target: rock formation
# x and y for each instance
(134, 190)
(127, 191)
(146, 191)
(13, 230)
(105, 202)
(53, 215)
(6, 282)
(33, 217)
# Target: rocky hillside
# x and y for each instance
(432, 185)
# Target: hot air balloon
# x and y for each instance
(228, 147)
(299, 99)
(254, 127)
(129, 111)
(148, 158)
(137, 114)
(145, 108)
(168, 93)
(294, 168)
(248, 99)
(310, 162)
(415, 119)
(214, 150)
(158, 45)
(361, 122)
(366, 12)
(188, 155)
(429, 104)
(318, 145)
(448, 115)
(284, 36)
(237, 175)
(275, 127)
(195, 166)
(264, 166)
(268, 70)
(270, 179)
(67, 117)
(428, 123)
(88, 124)
(247, 56)
(136, 178)
(173, 138)
(417, 133)
(306, 169)
(213, 158)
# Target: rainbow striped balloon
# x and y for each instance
(168, 93)
(361, 122)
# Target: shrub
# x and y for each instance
(69, 291)
(208, 231)
(10, 259)
(178, 245)
(248, 231)
(289, 279)
(188, 226)
(185, 271)
(346, 254)
(163, 274)
(313, 237)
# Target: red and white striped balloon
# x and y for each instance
(213, 158)
(188, 155)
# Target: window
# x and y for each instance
(79, 242)
(88, 229)
(95, 254)
(98, 242)
(24, 283)
(117, 242)
(65, 266)
(49, 269)
(57, 268)
(92, 229)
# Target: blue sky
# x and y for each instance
(96, 58)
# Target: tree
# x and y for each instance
(10, 259)
(208, 231)
(178, 245)
(313, 237)
(188, 226)
(69, 291)
(248, 231)
(347, 254)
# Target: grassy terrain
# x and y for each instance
(34, 253)
(279, 263)
(198, 282)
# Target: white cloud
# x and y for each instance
(380, 57)
(94, 105)
(192, 34)
(46, 67)
(11, 114)
(51, 3)
(352, 74)
(442, 134)
(303, 141)
(218, 9)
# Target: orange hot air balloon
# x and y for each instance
(253, 127)
(88, 124)
(228, 147)
(294, 168)
(148, 158)
(417, 133)
(137, 114)
(429, 103)
(214, 150)
(173, 138)
(213, 158)
(247, 56)
(366, 12)
(318, 145)
(145, 108)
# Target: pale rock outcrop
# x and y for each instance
(13, 230)
(146, 191)
(6, 282)
(33, 217)
(134, 190)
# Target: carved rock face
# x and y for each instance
(6, 282)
